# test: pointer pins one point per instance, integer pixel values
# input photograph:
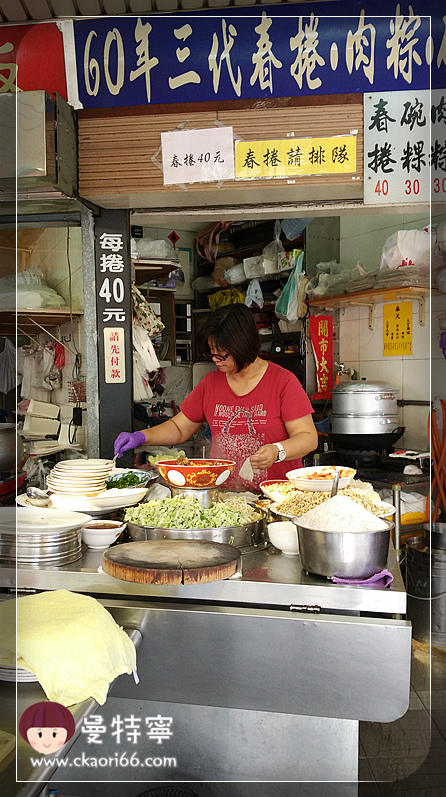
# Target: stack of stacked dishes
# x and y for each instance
(40, 537)
(79, 477)
(11, 674)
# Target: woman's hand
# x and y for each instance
(264, 457)
(125, 441)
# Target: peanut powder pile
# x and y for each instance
(341, 514)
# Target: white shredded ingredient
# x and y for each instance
(341, 514)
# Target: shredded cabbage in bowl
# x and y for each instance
(182, 512)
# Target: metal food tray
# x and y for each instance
(239, 536)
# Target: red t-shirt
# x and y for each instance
(240, 425)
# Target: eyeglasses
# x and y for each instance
(219, 357)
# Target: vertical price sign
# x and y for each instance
(321, 334)
(114, 319)
(399, 162)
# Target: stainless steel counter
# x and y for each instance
(268, 578)
(260, 673)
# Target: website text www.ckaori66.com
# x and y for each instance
(116, 760)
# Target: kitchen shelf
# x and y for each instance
(251, 250)
(373, 296)
(46, 317)
(146, 269)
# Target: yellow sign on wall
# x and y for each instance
(397, 329)
(295, 157)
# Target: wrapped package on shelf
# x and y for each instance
(235, 274)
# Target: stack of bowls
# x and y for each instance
(75, 477)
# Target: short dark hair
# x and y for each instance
(46, 715)
(232, 329)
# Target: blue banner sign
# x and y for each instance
(276, 52)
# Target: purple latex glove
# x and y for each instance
(127, 440)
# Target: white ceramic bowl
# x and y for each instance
(276, 495)
(99, 534)
(299, 478)
(283, 535)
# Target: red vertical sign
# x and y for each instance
(321, 334)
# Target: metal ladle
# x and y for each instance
(335, 485)
(37, 497)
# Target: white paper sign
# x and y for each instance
(114, 355)
(397, 153)
(198, 156)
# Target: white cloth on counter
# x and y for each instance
(409, 501)
(70, 641)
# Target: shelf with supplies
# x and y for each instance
(374, 296)
(146, 269)
(31, 321)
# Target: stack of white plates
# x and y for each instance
(36, 537)
(86, 477)
(21, 676)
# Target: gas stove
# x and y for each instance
(375, 466)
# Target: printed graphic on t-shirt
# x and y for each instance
(235, 437)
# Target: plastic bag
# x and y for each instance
(254, 294)
(222, 265)
(292, 228)
(287, 307)
(8, 373)
(221, 298)
(147, 247)
(441, 281)
(208, 240)
(275, 248)
(408, 248)
(235, 274)
(331, 279)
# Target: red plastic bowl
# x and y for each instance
(198, 473)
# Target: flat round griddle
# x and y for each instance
(171, 561)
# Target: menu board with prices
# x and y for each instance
(404, 155)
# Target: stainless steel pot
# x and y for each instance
(355, 423)
(364, 398)
(239, 536)
(345, 554)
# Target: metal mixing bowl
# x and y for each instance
(239, 536)
(345, 554)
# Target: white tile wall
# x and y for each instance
(363, 236)
(419, 376)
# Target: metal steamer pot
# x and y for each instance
(364, 408)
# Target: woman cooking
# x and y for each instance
(255, 409)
